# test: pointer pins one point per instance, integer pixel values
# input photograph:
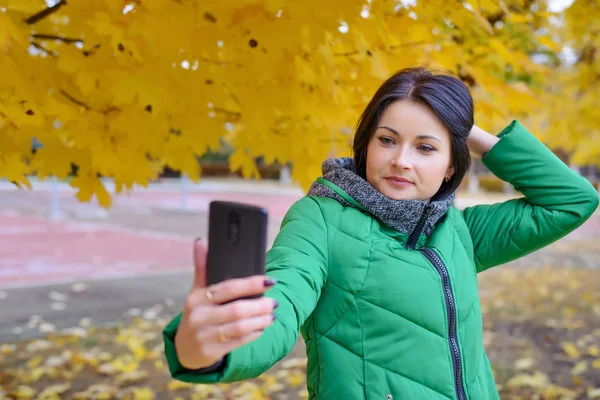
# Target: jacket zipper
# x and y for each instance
(448, 295)
(414, 236)
(451, 307)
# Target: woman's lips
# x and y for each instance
(399, 182)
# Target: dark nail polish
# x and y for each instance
(275, 304)
(270, 282)
(273, 316)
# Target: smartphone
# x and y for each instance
(237, 241)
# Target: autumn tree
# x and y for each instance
(121, 88)
(572, 118)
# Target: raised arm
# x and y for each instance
(557, 199)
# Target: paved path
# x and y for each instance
(137, 256)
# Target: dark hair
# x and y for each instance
(449, 99)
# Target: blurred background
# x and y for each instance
(120, 120)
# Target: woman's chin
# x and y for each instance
(398, 195)
(401, 195)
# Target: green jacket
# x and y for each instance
(385, 317)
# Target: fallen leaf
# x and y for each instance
(579, 368)
(22, 392)
(537, 380)
(296, 379)
(294, 363)
(137, 394)
(571, 350)
(556, 392)
(524, 363)
(52, 392)
(97, 392)
(38, 345)
(175, 385)
(7, 349)
(131, 377)
(78, 287)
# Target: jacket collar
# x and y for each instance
(341, 183)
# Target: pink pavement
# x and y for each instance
(277, 204)
(35, 251)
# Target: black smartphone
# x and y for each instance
(237, 241)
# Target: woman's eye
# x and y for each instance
(386, 140)
(426, 148)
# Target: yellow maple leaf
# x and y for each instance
(9, 32)
(54, 391)
(139, 394)
(579, 368)
(571, 350)
(536, 380)
(90, 186)
(23, 392)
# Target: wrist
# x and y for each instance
(184, 355)
(480, 141)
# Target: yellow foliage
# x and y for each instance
(572, 117)
(122, 88)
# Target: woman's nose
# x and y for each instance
(402, 159)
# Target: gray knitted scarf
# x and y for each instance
(401, 215)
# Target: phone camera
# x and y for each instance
(233, 227)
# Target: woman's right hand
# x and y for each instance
(209, 329)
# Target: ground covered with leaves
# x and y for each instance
(542, 334)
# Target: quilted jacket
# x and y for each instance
(394, 313)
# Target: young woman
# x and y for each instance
(376, 268)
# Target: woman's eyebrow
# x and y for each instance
(395, 132)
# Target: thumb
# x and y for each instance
(199, 264)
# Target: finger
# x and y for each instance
(199, 264)
(207, 316)
(235, 343)
(237, 288)
(235, 330)
(228, 291)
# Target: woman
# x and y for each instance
(376, 268)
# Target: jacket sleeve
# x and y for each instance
(298, 260)
(556, 200)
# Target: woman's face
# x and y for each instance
(409, 155)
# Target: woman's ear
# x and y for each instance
(450, 172)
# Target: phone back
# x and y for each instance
(237, 241)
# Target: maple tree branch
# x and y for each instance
(74, 100)
(355, 52)
(45, 12)
(220, 63)
(410, 44)
(224, 111)
(54, 37)
(346, 54)
(42, 48)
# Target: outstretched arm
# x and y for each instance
(298, 262)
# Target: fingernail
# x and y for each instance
(273, 316)
(197, 240)
(275, 304)
(270, 282)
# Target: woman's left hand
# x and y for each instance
(480, 141)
